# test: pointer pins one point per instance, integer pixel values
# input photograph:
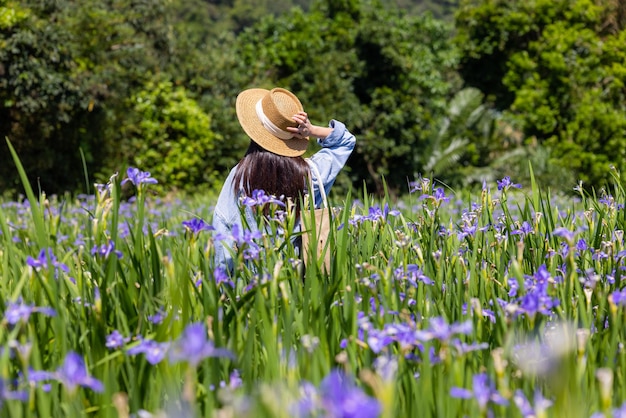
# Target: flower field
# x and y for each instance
(508, 303)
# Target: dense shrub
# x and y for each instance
(172, 138)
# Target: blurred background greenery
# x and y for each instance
(461, 91)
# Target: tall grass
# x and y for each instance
(504, 303)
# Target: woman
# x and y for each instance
(279, 130)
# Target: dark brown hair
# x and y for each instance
(275, 174)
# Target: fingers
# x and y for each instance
(301, 118)
(303, 129)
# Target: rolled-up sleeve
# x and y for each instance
(336, 148)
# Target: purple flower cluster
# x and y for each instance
(506, 184)
(243, 239)
(375, 213)
(20, 312)
(71, 374)
(259, 198)
(420, 185)
(536, 298)
(197, 225)
(192, 347)
(483, 391)
(221, 276)
(437, 197)
(524, 230)
(412, 274)
(408, 337)
(153, 351)
(45, 260)
(337, 397)
(234, 382)
(115, 340)
(525, 407)
(105, 250)
(619, 297)
(138, 177)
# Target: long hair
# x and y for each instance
(275, 174)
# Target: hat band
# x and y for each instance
(269, 125)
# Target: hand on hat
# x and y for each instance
(305, 128)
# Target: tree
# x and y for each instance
(172, 138)
(387, 75)
(42, 106)
(554, 67)
(66, 71)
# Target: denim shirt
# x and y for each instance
(336, 148)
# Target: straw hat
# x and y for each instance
(265, 115)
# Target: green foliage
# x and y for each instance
(553, 70)
(524, 288)
(172, 138)
(385, 74)
(549, 64)
(467, 129)
(66, 70)
(42, 106)
(441, 9)
(11, 13)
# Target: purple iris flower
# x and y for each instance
(259, 198)
(193, 346)
(564, 233)
(158, 317)
(35, 376)
(153, 351)
(526, 409)
(464, 348)
(483, 390)
(439, 329)
(375, 214)
(20, 312)
(45, 259)
(402, 333)
(105, 250)
(307, 404)
(196, 225)
(413, 275)
(138, 177)
(439, 196)
(484, 312)
(244, 239)
(377, 340)
(506, 184)
(341, 398)
(115, 340)
(468, 230)
(221, 276)
(421, 185)
(523, 230)
(607, 200)
(537, 300)
(619, 297)
(71, 374)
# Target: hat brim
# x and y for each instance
(249, 121)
